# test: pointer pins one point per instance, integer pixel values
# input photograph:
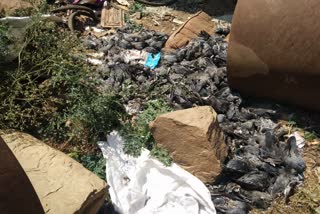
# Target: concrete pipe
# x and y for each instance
(17, 194)
(274, 51)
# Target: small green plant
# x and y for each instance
(4, 41)
(93, 162)
(137, 135)
(162, 155)
(309, 136)
(136, 7)
(133, 25)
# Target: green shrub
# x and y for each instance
(93, 162)
(51, 94)
(137, 135)
(4, 41)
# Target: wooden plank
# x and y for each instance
(112, 17)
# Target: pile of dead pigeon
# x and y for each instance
(264, 161)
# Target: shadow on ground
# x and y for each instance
(211, 7)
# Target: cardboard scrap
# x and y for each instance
(190, 30)
(112, 17)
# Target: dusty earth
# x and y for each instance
(167, 19)
(11, 5)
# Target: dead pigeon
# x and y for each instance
(255, 180)
(293, 159)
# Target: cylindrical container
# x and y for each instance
(274, 51)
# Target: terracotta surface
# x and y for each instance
(16, 192)
(194, 140)
(274, 51)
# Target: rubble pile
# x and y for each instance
(264, 161)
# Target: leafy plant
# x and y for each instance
(93, 162)
(162, 155)
(309, 136)
(4, 41)
(51, 94)
(138, 136)
(133, 25)
(136, 7)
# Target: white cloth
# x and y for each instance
(144, 185)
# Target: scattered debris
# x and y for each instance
(196, 75)
(123, 2)
(138, 15)
(263, 161)
(132, 56)
(77, 10)
(112, 17)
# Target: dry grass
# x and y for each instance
(307, 197)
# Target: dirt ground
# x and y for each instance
(306, 198)
(167, 19)
(11, 5)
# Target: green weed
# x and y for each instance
(93, 162)
(136, 7)
(51, 94)
(4, 41)
(309, 136)
(133, 25)
(162, 155)
(138, 136)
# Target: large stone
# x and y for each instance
(194, 140)
(274, 51)
(63, 185)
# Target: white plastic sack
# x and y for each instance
(144, 185)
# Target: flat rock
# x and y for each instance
(190, 30)
(194, 140)
(63, 185)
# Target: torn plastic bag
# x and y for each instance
(144, 185)
(153, 60)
